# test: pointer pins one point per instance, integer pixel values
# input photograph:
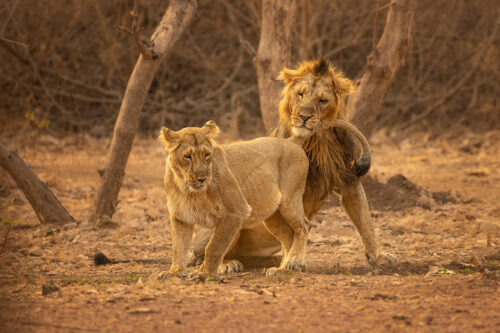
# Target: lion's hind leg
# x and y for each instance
(230, 266)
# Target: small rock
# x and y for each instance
(36, 252)
(142, 310)
(48, 289)
(76, 239)
(68, 226)
(424, 202)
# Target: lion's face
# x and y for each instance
(190, 154)
(312, 99)
(314, 92)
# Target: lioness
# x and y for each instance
(227, 187)
(315, 93)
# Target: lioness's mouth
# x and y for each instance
(197, 187)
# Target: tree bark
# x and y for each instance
(45, 204)
(382, 65)
(274, 52)
(174, 21)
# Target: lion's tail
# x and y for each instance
(362, 165)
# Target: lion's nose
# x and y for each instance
(202, 180)
(305, 117)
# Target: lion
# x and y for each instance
(314, 94)
(230, 186)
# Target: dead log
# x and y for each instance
(382, 65)
(45, 204)
(274, 53)
(174, 21)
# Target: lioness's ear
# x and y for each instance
(288, 75)
(210, 129)
(169, 138)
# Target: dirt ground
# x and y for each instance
(436, 211)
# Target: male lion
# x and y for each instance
(314, 94)
(226, 187)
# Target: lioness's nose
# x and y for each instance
(202, 180)
(305, 117)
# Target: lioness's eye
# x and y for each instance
(323, 101)
(187, 156)
(300, 94)
(207, 155)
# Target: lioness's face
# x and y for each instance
(312, 99)
(190, 154)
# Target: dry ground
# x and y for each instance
(446, 278)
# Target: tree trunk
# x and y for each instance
(274, 53)
(382, 65)
(45, 204)
(174, 21)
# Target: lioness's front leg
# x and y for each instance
(222, 238)
(356, 206)
(181, 237)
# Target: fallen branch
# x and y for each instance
(45, 204)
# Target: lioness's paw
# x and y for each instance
(274, 271)
(383, 259)
(277, 271)
(295, 264)
(230, 266)
(202, 276)
(174, 271)
(166, 274)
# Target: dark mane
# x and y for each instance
(321, 67)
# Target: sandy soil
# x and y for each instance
(436, 220)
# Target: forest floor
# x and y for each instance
(436, 208)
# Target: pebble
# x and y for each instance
(36, 252)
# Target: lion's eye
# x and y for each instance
(323, 101)
(300, 94)
(207, 155)
(187, 156)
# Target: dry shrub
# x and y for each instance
(76, 67)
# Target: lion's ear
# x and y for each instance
(341, 84)
(169, 138)
(288, 75)
(210, 129)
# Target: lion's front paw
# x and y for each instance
(230, 266)
(383, 259)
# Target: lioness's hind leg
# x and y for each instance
(293, 212)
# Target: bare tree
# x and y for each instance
(382, 65)
(274, 53)
(174, 21)
(45, 204)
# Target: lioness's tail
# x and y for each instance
(362, 165)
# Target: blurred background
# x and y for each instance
(71, 76)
